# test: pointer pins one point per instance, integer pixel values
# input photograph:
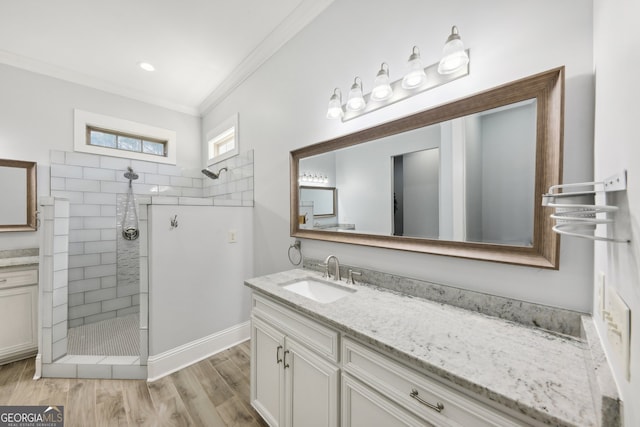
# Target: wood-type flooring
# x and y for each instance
(211, 393)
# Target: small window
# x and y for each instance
(222, 141)
(112, 136)
(122, 141)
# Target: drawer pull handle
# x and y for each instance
(438, 407)
(278, 360)
(286, 365)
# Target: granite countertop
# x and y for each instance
(532, 371)
(18, 257)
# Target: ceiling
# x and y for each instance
(201, 49)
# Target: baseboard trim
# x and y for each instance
(173, 360)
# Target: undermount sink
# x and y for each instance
(317, 290)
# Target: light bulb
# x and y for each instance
(355, 100)
(381, 87)
(416, 76)
(334, 111)
(454, 56)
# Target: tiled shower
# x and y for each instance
(103, 268)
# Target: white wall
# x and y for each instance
(196, 276)
(616, 42)
(282, 106)
(36, 116)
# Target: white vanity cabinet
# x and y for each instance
(378, 390)
(18, 314)
(294, 371)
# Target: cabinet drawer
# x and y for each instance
(420, 394)
(11, 279)
(305, 330)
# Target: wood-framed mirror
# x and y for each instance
(17, 195)
(467, 177)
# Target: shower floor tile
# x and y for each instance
(112, 337)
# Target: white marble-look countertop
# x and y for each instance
(532, 371)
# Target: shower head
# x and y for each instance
(130, 174)
(211, 174)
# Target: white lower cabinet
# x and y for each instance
(18, 314)
(373, 383)
(292, 383)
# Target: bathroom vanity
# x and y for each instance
(372, 356)
(18, 304)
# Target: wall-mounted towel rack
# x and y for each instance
(576, 212)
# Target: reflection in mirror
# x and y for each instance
(322, 200)
(463, 179)
(17, 195)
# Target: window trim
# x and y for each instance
(85, 119)
(219, 131)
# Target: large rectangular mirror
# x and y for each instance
(464, 179)
(17, 195)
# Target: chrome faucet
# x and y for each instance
(336, 274)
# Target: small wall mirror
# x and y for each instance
(321, 199)
(464, 179)
(17, 195)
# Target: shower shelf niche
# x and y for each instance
(576, 213)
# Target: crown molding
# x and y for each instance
(301, 16)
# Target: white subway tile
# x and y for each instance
(85, 210)
(100, 247)
(60, 296)
(100, 271)
(59, 348)
(46, 273)
(161, 200)
(100, 198)
(115, 304)
(108, 282)
(82, 185)
(113, 187)
(84, 285)
(144, 189)
(75, 322)
(108, 234)
(60, 312)
(99, 295)
(91, 259)
(84, 310)
(195, 201)
(76, 274)
(65, 171)
(157, 179)
(61, 226)
(60, 278)
(192, 192)
(225, 202)
(58, 183)
(76, 223)
(114, 163)
(76, 248)
(99, 174)
(82, 159)
(71, 196)
(169, 170)
(59, 331)
(108, 258)
(100, 221)
(61, 244)
(145, 167)
(61, 208)
(128, 290)
(75, 299)
(60, 261)
(84, 235)
(108, 211)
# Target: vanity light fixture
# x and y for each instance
(453, 65)
(355, 100)
(335, 105)
(416, 76)
(313, 178)
(453, 54)
(381, 86)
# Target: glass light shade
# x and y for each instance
(453, 54)
(355, 100)
(381, 86)
(416, 76)
(334, 111)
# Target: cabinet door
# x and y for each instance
(18, 314)
(311, 388)
(267, 375)
(363, 407)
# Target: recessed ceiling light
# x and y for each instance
(146, 66)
